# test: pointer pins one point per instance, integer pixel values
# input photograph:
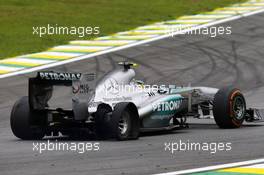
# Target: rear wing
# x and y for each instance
(57, 78)
(41, 87)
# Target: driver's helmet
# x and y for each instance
(140, 83)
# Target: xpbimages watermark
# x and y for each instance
(183, 146)
(212, 31)
(79, 147)
(80, 31)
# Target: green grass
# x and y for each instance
(17, 17)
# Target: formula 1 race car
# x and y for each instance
(118, 106)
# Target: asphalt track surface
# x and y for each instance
(225, 60)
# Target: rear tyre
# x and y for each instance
(102, 121)
(229, 108)
(20, 121)
(124, 124)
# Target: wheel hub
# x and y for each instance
(239, 107)
(123, 123)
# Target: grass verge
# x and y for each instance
(18, 17)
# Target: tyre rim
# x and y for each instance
(239, 107)
(123, 123)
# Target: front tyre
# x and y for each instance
(229, 108)
(20, 121)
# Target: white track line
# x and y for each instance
(127, 46)
(255, 166)
(217, 167)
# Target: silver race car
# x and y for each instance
(119, 106)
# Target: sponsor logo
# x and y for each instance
(89, 77)
(167, 105)
(80, 88)
(118, 99)
(76, 87)
(111, 86)
(59, 76)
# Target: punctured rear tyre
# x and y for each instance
(125, 123)
(229, 108)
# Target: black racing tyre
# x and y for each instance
(124, 123)
(20, 119)
(80, 112)
(102, 122)
(229, 108)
